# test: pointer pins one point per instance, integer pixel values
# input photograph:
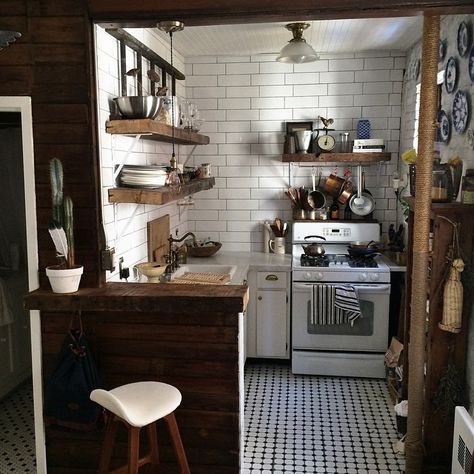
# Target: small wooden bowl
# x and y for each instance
(205, 250)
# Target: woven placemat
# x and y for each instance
(203, 278)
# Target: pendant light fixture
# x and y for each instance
(297, 50)
(170, 27)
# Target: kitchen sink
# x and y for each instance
(203, 268)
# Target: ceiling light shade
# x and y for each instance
(297, 50)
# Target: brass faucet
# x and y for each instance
(172, 257)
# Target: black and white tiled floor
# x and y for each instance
(17, 445)
(293, 424)
(310, 424)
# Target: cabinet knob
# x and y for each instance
(271, 278)
(259, 298)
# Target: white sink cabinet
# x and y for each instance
(268, 318)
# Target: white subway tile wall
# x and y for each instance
(126, 224)
(257, 98)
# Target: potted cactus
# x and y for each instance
(65, 276)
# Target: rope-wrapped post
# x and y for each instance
(419, 279)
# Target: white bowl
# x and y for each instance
(152, 270)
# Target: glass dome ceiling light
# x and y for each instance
(297, 50)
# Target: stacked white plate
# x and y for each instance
(143, 176)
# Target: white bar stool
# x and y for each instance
(139, 405)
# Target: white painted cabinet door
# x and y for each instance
(272, 323)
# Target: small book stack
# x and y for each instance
(370, 145)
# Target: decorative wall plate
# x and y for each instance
(444, 130)
(460, 111)
(441, 50)
(471, 64)
(464, 38)
(450, 75)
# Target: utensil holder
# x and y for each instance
(277, 245)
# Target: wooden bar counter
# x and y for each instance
(187, 335)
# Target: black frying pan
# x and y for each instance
(362, 252)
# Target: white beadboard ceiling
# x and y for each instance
(326, 37)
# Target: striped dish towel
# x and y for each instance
(325, 310)
(346, 299)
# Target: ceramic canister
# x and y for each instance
(363, 129)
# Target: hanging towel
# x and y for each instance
(335, 304)
(346, 299)
(6, 315)
(325, 310)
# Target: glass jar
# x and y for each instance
(467, 193)
(440, 188)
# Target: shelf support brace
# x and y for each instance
(189, 155)
(130, 148)
(126, 226)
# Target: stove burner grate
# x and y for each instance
(314, 260)
(362, 262)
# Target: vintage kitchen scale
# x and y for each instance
(324, 142)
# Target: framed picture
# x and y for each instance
(298, 126)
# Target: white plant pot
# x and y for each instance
(64, 280)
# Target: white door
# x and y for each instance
(22, 357)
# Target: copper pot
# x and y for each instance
(334, 184)
(346, 192)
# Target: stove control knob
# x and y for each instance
(318, 276)
(307, 276)
(363, 277)
(374, 276)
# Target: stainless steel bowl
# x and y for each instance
(139, 107)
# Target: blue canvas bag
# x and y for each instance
(67, 392)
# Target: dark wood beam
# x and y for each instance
(123, 13)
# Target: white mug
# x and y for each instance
(277, 245)
(205, 170)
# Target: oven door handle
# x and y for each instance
(302, 286)
(376, 288)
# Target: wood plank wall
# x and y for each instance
(195, 351)
(52, 63)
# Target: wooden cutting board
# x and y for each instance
(158, 231)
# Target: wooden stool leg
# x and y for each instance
(177, 443)
(153, 442)
(108, 443)
(133, 449)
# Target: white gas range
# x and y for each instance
(324, 340)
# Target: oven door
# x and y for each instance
(369, 333)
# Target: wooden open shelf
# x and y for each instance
(152, 130)
(336, 157)
(159, 196)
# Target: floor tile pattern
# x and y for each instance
(17, 449)
(310, 424)
(293, 424)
